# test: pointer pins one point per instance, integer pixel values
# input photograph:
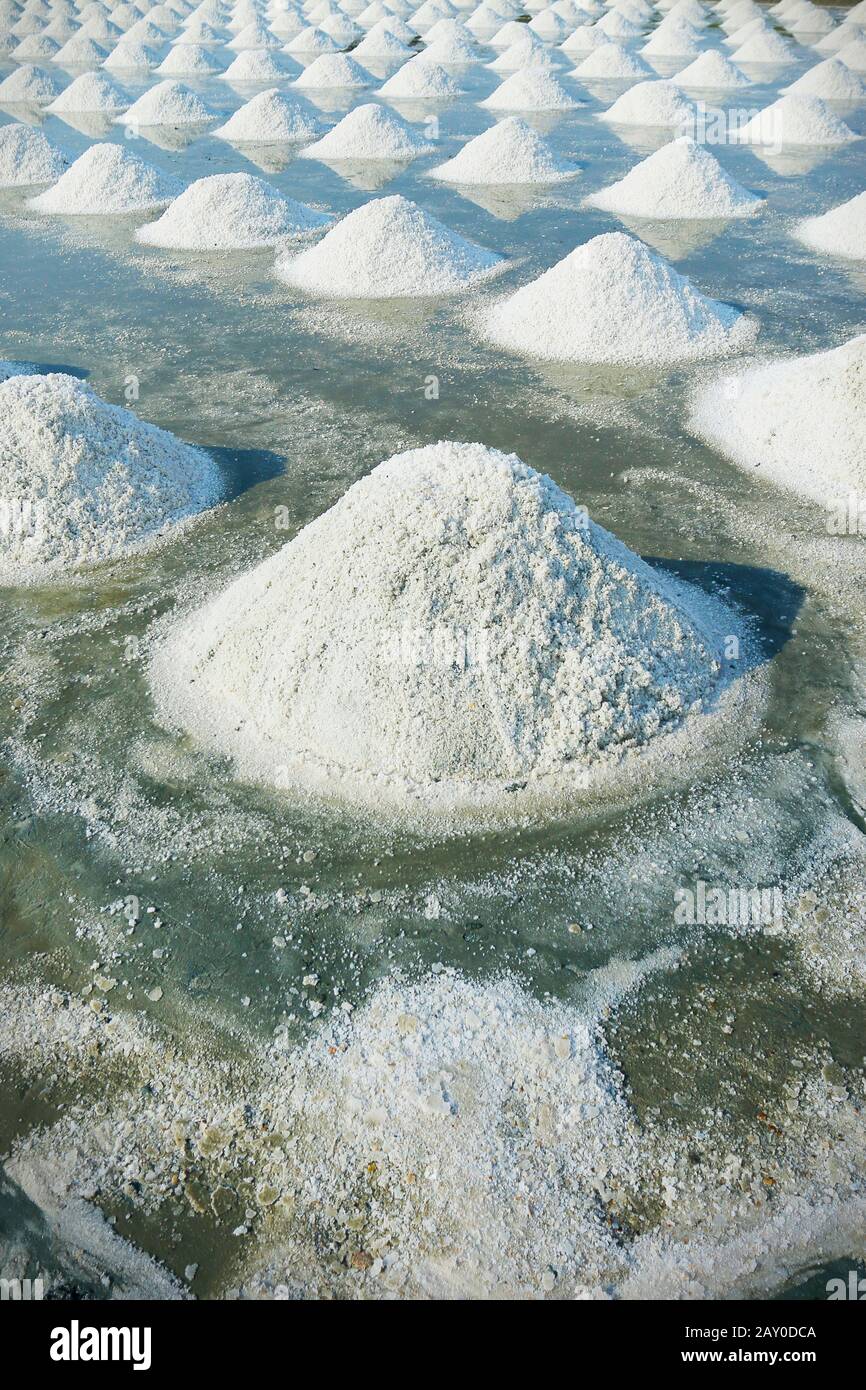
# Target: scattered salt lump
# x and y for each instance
(656, 103)
(799, 422)
(369, 132)
(832, 81)
(795, 120)
(28, 86)
(534, 89)
(333, 70)
(420, 80)
(107, 179)
(230, 212)
(389, 249)
(93, 481)
(90, 92)
(168, 103)
(511, 152)
(840, 232)
(269, 118)
(315, 664)
(254, 65)
(712, 72)
(612, 62)
(682, 179)
(613, 300)
(27, 158)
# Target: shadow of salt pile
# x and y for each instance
(770, 599)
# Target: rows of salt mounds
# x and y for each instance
(681, 180)
(95, 481)
(231, 212)
(28, 158)
(799, 422)
(613, 300)
(389, 249)
(511, 152)
(107, 179)
(607, 656)
(369, 132)
(839, 232)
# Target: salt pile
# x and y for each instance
(310, 41)
(80, 52)
(531, 90)
(584, 40)
(656, 103)
(107, 179)
(168, 103)
(525, 52)
(230, 212)
(188, 60)
(766, 47)
(584, 652)
(511, 152)
(450, 51)
(28, 86)
(832, 81)
(679, 42)
(853, 55)
(90, 92)
(130, 57)
(681, 180)
(389, 249)
(616, 26)
(380, 43)
(612, 62)
(840, 232)
(333, 70)
(270, 118)
(613, 300)
(369, 132)
(36, 47)
(420, 80)
(99, 481)
(795, 120)
(799, 422)
(27, 158)
(712, 72)
(255, 65)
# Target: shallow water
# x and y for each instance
(102, 807)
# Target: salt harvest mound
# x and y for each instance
(28, 86)
(333, 664)
(766, 46)
(681, 180)
(712, 72)
(613, 300)
(27, 158)
(420, 80)
(95, 481)
(90, 92)
(380, 43)
(534, 89)
(168, 103)
(389, 249)
(612, 62)
(269, 118)
(107, 179)
(853, 55)
(131, 57)
(799, 422)
(831, 81)
(255, 65)
(188, 60)
(840, 232)
(795, 120)
(226, 212)
(511, 152)
(656, 103)
(333, 70)
(80, 52)
(369, 132)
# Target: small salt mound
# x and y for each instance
(528, 53)
(511, 152)
(616, 26)
(672, 43)
(80, 52)
(90, 92)
(168, 103)
(656, 103)
(131, 57)
(188, 60)
(531, 90)
(270, 118)
(389, 249)
(832, 81)
(107, 179)
(311, 41)
(766, 47)
(613, 300)
(333, 70)
(420, 80)
(35, 46)
(795, 120)
(99, 482)
(840, 232)
(584, 40)
(812, 22)
(380, 42)
(712, 72)
(28, 86)
(27, 158)
(681, 180)
(799, 422)
(450, 51)
(853, 55)
(255, 65)
(369, 132)
(549, 25)
(227, 212)
(254, 35)
(584, 652)
(612, 61)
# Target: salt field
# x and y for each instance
(432, 735)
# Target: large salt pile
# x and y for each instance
(369, 132)
(107, 179)
(612, 62)
(799, 422)
(420, 80)
(795, 120)
(712, 72)
(831, 81)
(91, 479)
(681, 180)
(511, 152)
(270, 118)
(389, 249)
(336, 70)
(28, 86)
(534, 89)
(27, 158)
(168, 103)
(656, 103)
(454, 622)
(90, 92)
(840, 232)
(230, 212)
(613, 300)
